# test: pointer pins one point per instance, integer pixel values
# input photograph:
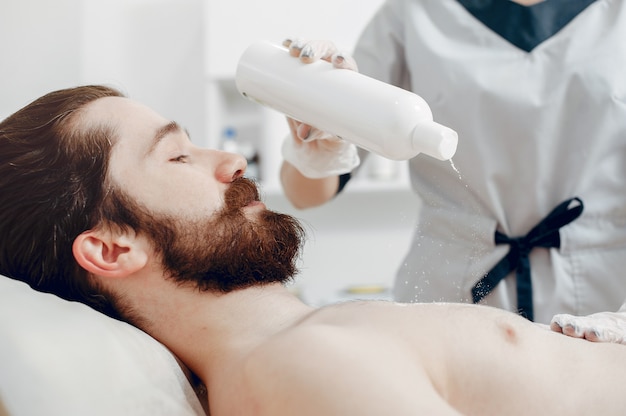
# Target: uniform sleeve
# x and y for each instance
(379, 52)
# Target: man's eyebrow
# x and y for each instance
(171, 127)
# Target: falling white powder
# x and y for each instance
(455, 169)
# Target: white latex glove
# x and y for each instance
(598, 327)
(315, 153)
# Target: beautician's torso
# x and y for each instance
(552, 115)
(386, 358)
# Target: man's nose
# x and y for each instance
(230, 166)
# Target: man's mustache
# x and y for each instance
(241, 192)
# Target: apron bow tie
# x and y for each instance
(545, 234)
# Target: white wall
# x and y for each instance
(234, 24)
(40, 44)
(151, 49)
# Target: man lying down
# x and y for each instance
(106, 202)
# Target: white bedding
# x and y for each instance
(63, 358)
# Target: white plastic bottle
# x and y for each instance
(384, 119)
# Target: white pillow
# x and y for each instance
(64, 358)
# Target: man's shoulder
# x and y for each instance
(295, 343)
(316, 350)
(278, 373)
(319, 367)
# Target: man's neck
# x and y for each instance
(207, 331)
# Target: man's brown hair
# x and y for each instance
(53, 171)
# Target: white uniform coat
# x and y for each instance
(535, 129)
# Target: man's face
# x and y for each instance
(155, 162)
(206, 222)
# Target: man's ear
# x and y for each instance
(104, 252)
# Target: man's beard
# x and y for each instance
(227, 251)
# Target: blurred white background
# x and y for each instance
(179, 57)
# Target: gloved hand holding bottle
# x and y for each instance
(385, 119)
(315, 153)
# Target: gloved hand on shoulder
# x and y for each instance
(598, 327)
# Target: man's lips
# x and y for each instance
(255, 204)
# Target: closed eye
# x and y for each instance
(180, 159)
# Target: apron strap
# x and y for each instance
(545, 234)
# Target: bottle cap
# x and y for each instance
(435, 140)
